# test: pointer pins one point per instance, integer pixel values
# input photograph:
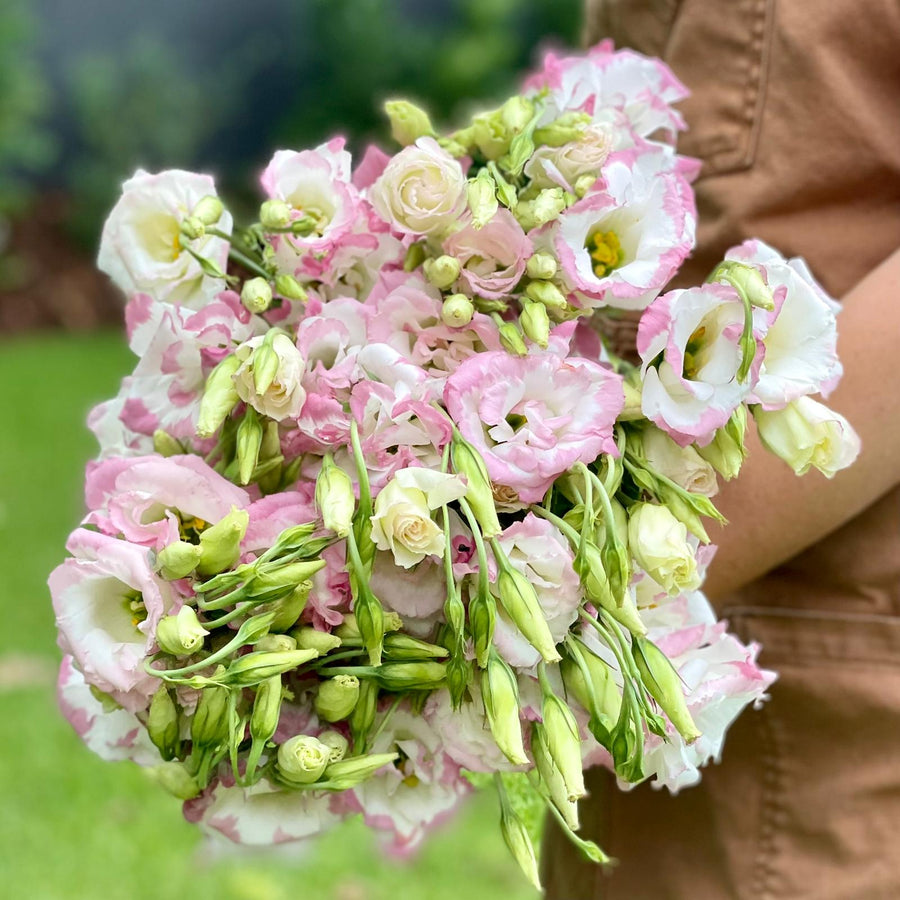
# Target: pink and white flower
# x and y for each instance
(534, 417)
(142, 248)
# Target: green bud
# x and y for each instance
(264, 363)
(442, 271)
(500, 693)
(459, 674)
(175, 778)
(457, 311)
(177, 560)
(467, 461)
(370, 621)
(583, 184)
(633, 410)
(664, 685)
(181, 634)
(546, 293)
(256, 295)
(747, 281)
(275, 214)
(208, 210)
(363, 716)
(288, 286)
(220, 544)
(166, 445)
(589, 566)
(411, 676)
(511, 339)
(541, 267)
(408, 122)
(337, 697)
(192, 228)
(481, 193)
(490, 134)
(535, 322)
(519, 599)
(335, 499)
(565, 129)
(727, 451)
(219, 397)
(249, 441)
(347, 773)
(415, 256)
(312, 639)
(516, 113)
(266, 709)
(563, 743)
(275, 643)
(551, 777)
(402, 646)
(162, 723)
(599, 694)
(209, 725)
(546, 206)
(288, 609)
(482, 620)
(515, 834)
(302, 759)
(252, 668)
(337, 742)
(286, 577)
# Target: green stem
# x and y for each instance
(483, 571)
(573, 536)
(248, 263)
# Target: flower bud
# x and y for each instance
(511, 339)
(275, 643)
(256, 295)
(747, 281)
(208, 210)
(285, 578)
(266, 711)
(481, 193)
(490, 134)
(632, 411)
(727, 451)
(252, 668)
(288, 286)
(181, 634)
(302, 759)
(162, 723)
(335, 499)
(219, 397)
(658, 542)
(664, 686)
(519, 599)
(309, 638)
(209, 725)
(411, 676)
(288, 609)
(599, 694)
(275, 214)
(192, 228)
(552, 777)
(547, 294)
(482, 620)
(546, 206)
(515, 834)
(500, 694)
(220, 544)
(563, 743)
(402, 646)
(565, 129)
(166, 445)
(363, 716)
(175, 778)
(249, 440)
(535, 322)
(442, 271)
(467, 461)
(347, 773)
(583, 183)
(408, 122)
(415, 256)
(806, 434)
(541, 267)
(516, 113)
(337, 697)
(177, 560)
(457, 311)
(338, 744)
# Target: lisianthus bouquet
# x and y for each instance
(382, 512)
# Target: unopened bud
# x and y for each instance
(287, 577)
(177, 560)
(563, 743)
(547, 205)
(511, 339)
(535, 323)
(175, 778)
(415, 255)
(209, 726)
(220, 544)
(181, 634)
(402, 646)
(275, 214)
(288, 286)
(411, 676)
(302, 759)
(275, 643)
(468, 461)
(516, 113)
(338, 744)
(547, 294)
(727, 451)
(219, 397)
(309, 638)
(162, 723)
(598, 692)
(208, 210)
(442, 271)
(266, 709)
(565, 129)
(347, 773)
(541, 267)
(252, 668)
(337, 697)
(481, 193)
(335, 499)
(747, 281)
(482, 620)
(519, 599)
(192, 228)
(589, 566)
(288, 609)
(490, 134)
(370, 621)
(500, 694)
(166, 445)
(552, 777)
(515, 834)
(457, 311)
(408, 122)
(363, 716)
(583, 184)
(249, 441)
(256, 295)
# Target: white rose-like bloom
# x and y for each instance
(683, 465)
(402, 521)
(563, 166)
(141, 247)
(285, 396)
(658, 542)
(422, 190)
(807, 434)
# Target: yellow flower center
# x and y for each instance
(692, 350)
(606, 252)
(189, 529)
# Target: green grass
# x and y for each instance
(76, 828)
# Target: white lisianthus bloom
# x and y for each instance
(659, 544)
(402, 521)
(285, 396)
(683, 465)
(142, 248)
(806, 434)
(422, 189)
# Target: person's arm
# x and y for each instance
(774, 514)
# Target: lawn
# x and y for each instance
(76, 828)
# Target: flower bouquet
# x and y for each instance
(381, 513)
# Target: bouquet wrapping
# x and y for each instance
(396, 499)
